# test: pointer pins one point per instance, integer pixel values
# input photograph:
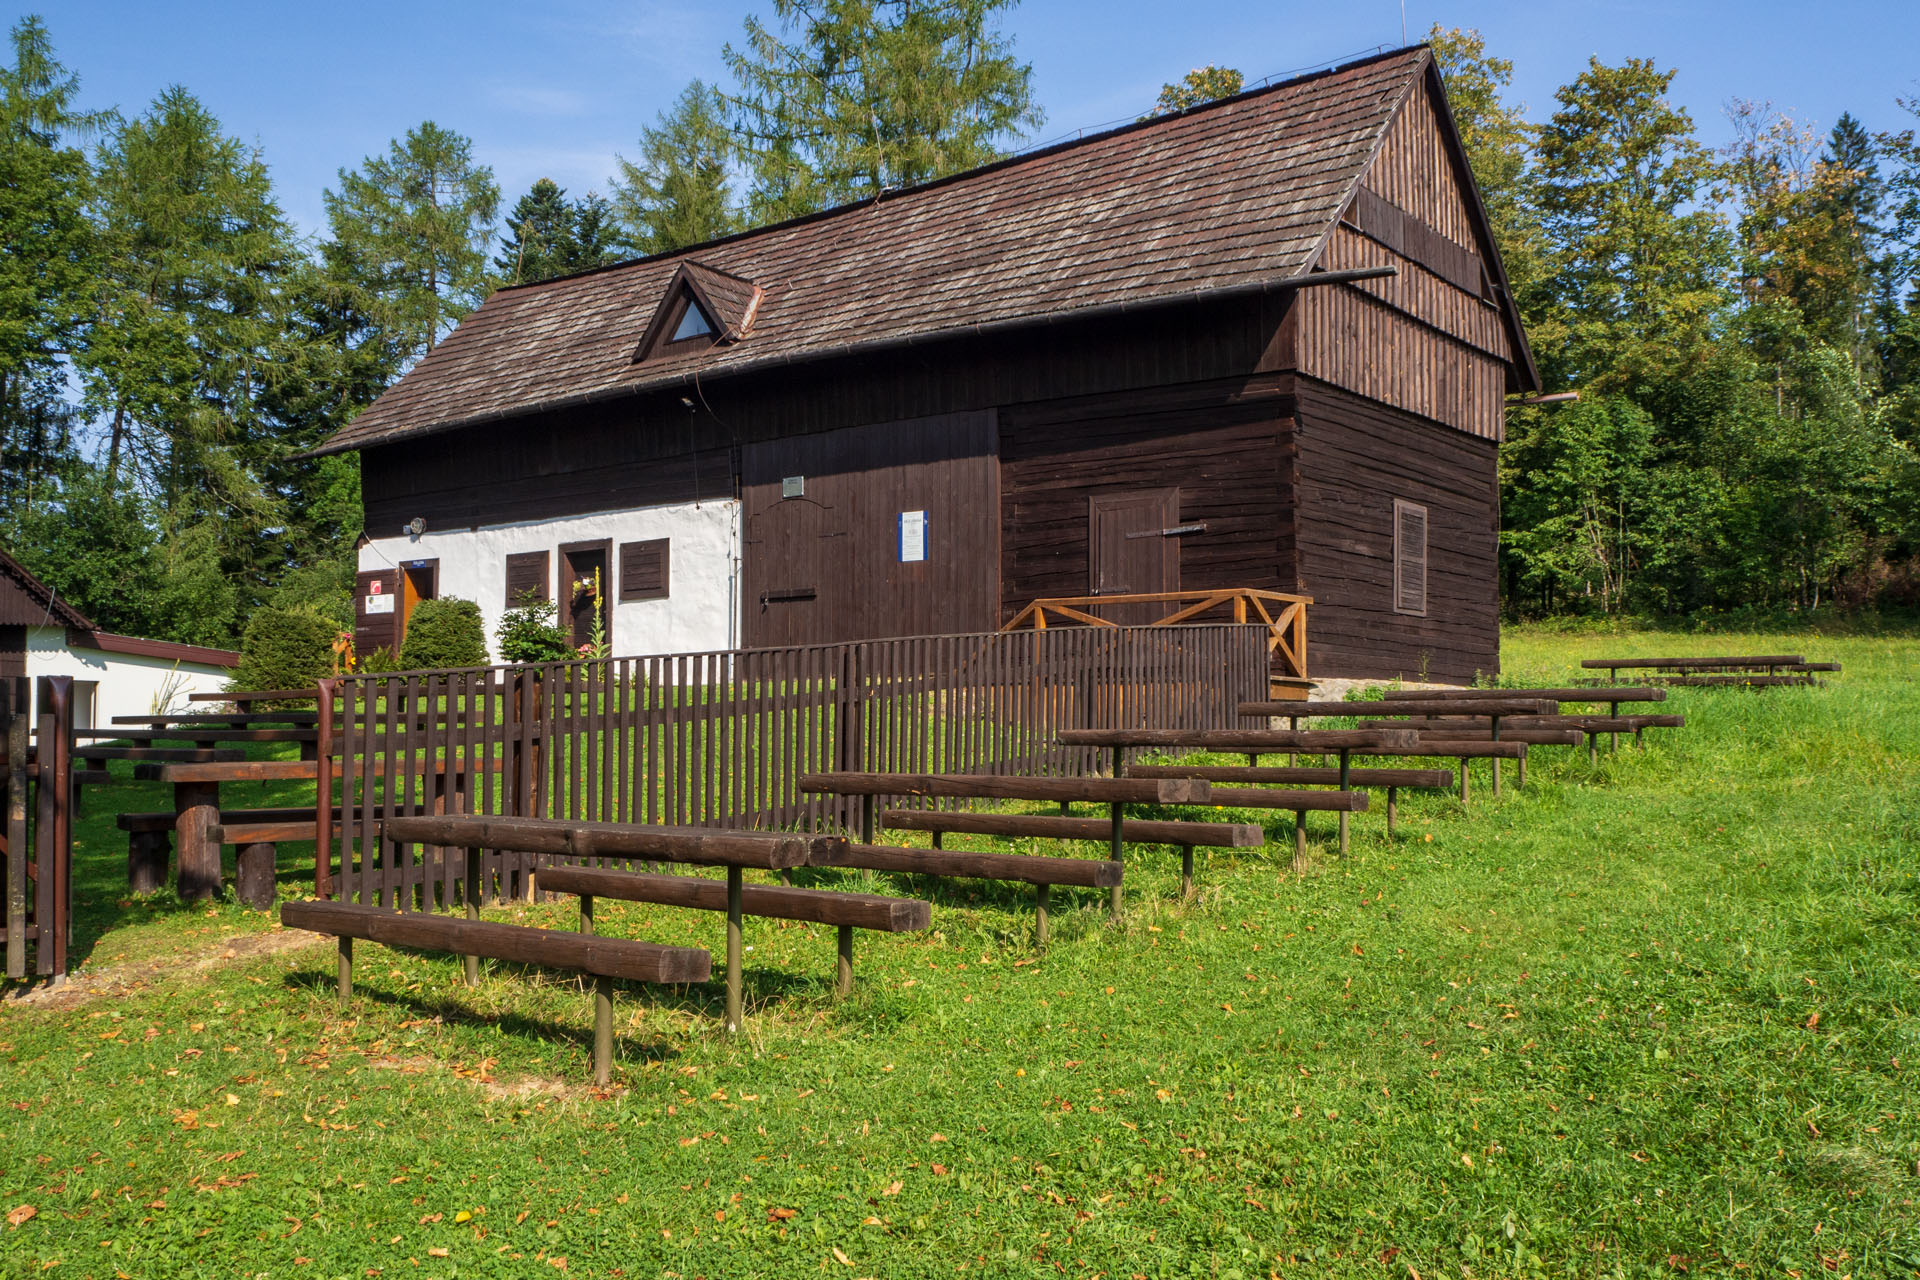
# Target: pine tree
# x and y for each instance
(549, 235)
(409, 231)
(869, 95)
(677, 194)
(1203, 84)
(48, 258)
(1640, 260)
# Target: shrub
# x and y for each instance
(528, 632)
(446, 632)
(285, 649)
(381, 659)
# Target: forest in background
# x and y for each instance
(1742, 324)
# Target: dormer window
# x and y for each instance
(701, 308)
(693, 324)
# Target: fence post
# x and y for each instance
(16, 704)
(850, 736)
(323, 792)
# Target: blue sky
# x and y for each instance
(556, 88)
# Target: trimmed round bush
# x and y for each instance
(285, 649)
(446, 632)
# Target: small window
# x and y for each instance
(527, 572)
(1409, 558)
(643, 570)
(693, 324)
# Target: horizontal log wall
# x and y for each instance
(1223, 444)
(1356, 457)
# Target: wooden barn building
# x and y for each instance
(1163, 357)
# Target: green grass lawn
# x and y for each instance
(1650, 1016)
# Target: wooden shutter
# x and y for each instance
(528, 571)
(1409, 558)
(643, 570)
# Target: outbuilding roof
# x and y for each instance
(1234, 194)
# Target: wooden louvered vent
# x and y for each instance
(527, 571)
(1409, 558)
(643, 570)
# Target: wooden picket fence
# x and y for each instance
(36, 842)
(720, 738)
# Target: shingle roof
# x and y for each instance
(1232, 194)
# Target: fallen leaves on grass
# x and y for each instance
(20, 1214)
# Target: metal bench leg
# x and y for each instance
(1346, 775)
(1465, 781)
(602, 1031)
(1041, 894)
(733, 948)
(1520, 770)
(1186, 871)
(346, 969)
(1299, 840)
(843, 968)
(1115, 852)
(1393, 809)
(1593, 748)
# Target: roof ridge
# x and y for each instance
(994, 166)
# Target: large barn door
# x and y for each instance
(1132, 551)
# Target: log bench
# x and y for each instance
(1041, 872)
(1305, 776)
(1252, 742)
(254, 831)
(845, 911)
(1185, 836)
(603, 958)
(701, 846)
(1115, 792)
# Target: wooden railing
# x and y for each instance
(1283, 615)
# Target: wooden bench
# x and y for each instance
(845, 911)
(604, 958)
(1251, 743)
(1041, 872)
(256, 832)
(1115, 792)
(1305, 776)
(1185, 836)
(701, 846)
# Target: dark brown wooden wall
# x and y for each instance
(1222, 443)
(13, 649)
(826, 566)
(1355, 457)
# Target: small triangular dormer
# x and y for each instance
(701, 308)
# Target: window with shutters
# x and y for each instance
(1409, 558)
(643, 570)
(527, 571)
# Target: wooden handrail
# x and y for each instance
(1283, 615)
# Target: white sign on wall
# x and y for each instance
(379, 603)
(913, 536)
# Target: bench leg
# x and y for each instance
(1639, 743)
(346, 969)
(602, 1031)
(253, 875)
(843, 965)
(1593, 748)
(936, 839)
(733, 948)
(1042, 894)
(472, 895)
(1186, 871)
(196, 807)
(1346, 777)
(146, 861)
(1115, 852)
(1393, 809)
(1299, 841)
(1496, 774)
(1520, 771)
(1466, 781)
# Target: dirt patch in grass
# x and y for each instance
(92, 983)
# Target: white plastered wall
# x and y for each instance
(701, 611)
(129, 685)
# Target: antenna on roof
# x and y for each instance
(1403, 24)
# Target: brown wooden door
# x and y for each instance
(580, 562)
(376, 616)
(1128, 552)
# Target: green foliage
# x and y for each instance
(444, 632)
(1203, 84)
(409, 233)
(677, 194)
(864, 95)
(285, 649)
(528, 632)
(549, 235)
(381, 658)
